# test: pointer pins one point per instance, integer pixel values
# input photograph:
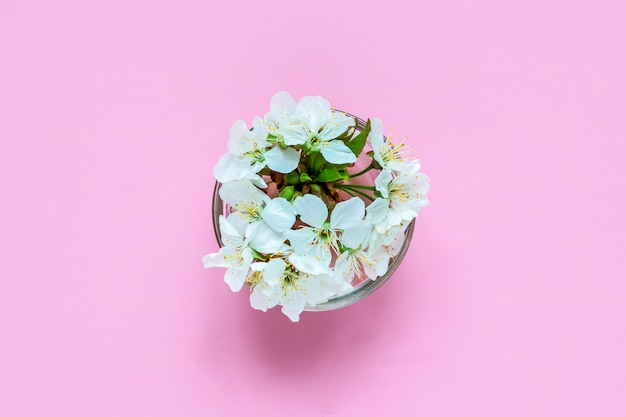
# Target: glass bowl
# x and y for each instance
(366, 286)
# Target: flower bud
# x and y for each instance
(287, 192)
(292, 178)
(316, 189)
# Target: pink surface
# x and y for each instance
(512, 301)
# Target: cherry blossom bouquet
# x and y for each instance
(303, 224)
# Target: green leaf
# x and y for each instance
(287, 192)
(315, 189)
(292, 178)
(375, 163)
(330, 174)
(295, 195)
(357, 143)
(338, 166)
(345, 136)
(316, 163)
(304, 177)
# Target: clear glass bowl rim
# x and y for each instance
(361, 291)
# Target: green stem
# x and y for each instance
(349, 193)
(370, 166)
(365, 187)
(352, 190)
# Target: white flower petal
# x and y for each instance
(386, 238)
(240, 221)
(262, 298)
(250, 231)
(266, 239)
(330, 285)
(242, 195)
(376, 137)
(342, 265)
(377, 210)
(336, 125)
(423, 201)
(214, 260)
(316, 110)
(282, 160)
(235, 277)
(230, 235)
(355, 236)
(237, 143)
(311, 209)
(256, 180)
(395, 217)
(258, 266)
(402, 166)
(231, 168)
(310, 285)
(258, 300)
(246, 255)
(259, 132)
(422, 184)
(300, 238)
(336, 152)
(274, 271)
(383, 226)
(279, 214)
(293, 312)
(396, 245)
(293, 304)
(382, 182)
(378, 266)
(347, 214)
(281, 105)
(294, 131)
(311, 262)
(232, 256)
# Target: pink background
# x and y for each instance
(512, 301)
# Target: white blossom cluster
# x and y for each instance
(300, 231)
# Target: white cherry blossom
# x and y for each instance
(358, 259)
(282, 106)
(249, 151)
(267, 218)
(290, 247)
(401, 199)
(315, 124)
(314, 241)
(235, 255)
(388, 155)
(281, 283)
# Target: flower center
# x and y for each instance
(255, 154)
(290, 279)
(399, 194)
(235, 258)
(325, 237)
(315, 141)
(356, 260)
(398, 153)
(252, 210)
(253, 278)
